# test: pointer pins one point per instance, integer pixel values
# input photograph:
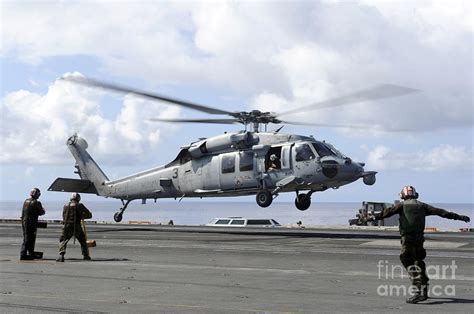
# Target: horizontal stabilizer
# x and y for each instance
(73, 185)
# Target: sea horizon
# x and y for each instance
(200, 212)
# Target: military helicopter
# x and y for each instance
(247, 162)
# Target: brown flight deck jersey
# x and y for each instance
(74, 212)
(32, 208)
(412, 217)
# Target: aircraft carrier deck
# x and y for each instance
(174, 269)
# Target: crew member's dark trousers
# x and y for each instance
(70, 230)
(29, 239)
(412, 257)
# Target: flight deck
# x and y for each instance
(184, 269)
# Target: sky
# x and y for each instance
(239, 55)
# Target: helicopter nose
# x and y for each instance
(341, 168)
(351, 170)
(360, 166)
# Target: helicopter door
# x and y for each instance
(303, 154)
(245, 175)
(211, 170)
(227, 172)
(285, 157)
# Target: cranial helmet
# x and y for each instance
(75, 197)
(35, 193)
(408, 192)
(273, 157)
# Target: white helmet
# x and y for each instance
(75, 197)
(408, 192)
(273, 157)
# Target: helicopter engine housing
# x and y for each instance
(223, 142)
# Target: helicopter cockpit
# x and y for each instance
(277, 157)
(303, 152)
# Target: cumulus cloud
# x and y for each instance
(442, 157)
(35, 126)
(277, 55)
(301, 52)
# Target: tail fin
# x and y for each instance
(87, 168)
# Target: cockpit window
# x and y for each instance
(303, 152)
(323, 150)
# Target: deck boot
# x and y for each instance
(60, 258)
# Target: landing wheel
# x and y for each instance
(264, 198)
(303, 201)
(118, 216)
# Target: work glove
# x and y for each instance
(464, 218)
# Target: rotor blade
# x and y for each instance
(378, 92)
(216, 121)
(348, 126)
(123, 89)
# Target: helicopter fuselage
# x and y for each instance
(235, 164)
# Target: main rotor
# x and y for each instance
(256, 118)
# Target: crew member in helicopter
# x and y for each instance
(412, 225)
(32, 208)
(275, 163)
(73, 213)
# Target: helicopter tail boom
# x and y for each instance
(87, 168)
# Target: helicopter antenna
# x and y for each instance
(278, 130)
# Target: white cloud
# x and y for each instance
(443, 157)
(436, 21)
(35, 127)
(299, 52)
(269, 102)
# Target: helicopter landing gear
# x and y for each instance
(264, 198)
(119, 215)
(303, 201)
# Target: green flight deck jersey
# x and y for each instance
(413, 216)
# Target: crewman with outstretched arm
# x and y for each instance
(412, 225)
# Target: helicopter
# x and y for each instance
(246, 162)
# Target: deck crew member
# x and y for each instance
(32, 208)
(73, 213)
(412, 225)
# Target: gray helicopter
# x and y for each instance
(248, 162)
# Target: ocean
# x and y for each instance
(195, 212)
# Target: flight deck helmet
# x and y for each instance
(75, 197)
(408, 192)
(35, 193)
